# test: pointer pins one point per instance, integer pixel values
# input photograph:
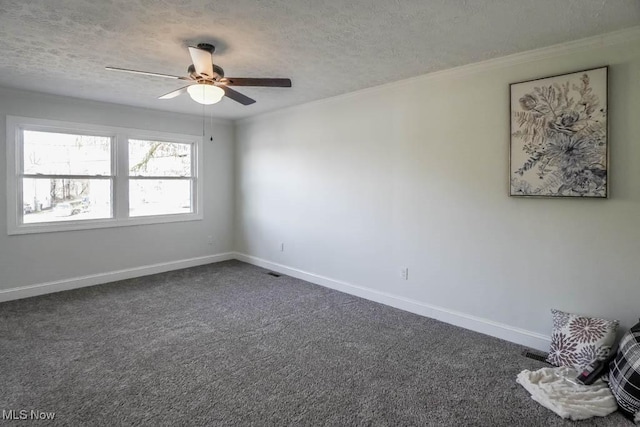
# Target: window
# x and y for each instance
(68, 176)
(65, 177)
(160, 178)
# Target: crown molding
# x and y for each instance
(576, 46)
(89, 103)
(627, 35)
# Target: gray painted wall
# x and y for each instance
(411, 174)
(415, 174)
(39, 258)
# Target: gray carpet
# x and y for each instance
(228, 344)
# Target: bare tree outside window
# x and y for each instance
(66, 177)
(160, 178)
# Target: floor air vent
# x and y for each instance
(540, 357)
(271, 273)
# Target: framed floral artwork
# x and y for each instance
(559, 139)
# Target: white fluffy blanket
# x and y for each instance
(551, 388)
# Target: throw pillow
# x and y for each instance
(576, 340)
(624, 374)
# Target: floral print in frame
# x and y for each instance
(559, 136)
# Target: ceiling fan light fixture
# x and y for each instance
(207, 83)
(205, 93)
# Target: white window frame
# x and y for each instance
(119, 175)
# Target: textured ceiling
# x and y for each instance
(326, 47)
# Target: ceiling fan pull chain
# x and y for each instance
(211, 137)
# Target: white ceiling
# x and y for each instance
(326, 47)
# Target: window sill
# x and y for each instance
(91, 224)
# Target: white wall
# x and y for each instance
(34, 259)
(415, 174)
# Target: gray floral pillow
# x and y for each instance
(577, 340)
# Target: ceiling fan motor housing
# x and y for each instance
(218, 72)
(206, 46)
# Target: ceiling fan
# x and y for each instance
(207, 83)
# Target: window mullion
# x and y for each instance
(121, 180)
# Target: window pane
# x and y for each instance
(50, 200)
(66, 154)
(159, 197)
(154, 158)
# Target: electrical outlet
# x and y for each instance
(281, 247)
(404, 273)
(210, 240)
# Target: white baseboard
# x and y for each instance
(112, 276)
(524, 337)
(474, 323)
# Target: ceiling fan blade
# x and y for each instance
(174, 93)
(202, 61)
(237, 96)
(248, 81)
(146, 73)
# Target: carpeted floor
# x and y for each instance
(228, 344)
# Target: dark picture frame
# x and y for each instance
(559, 139)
